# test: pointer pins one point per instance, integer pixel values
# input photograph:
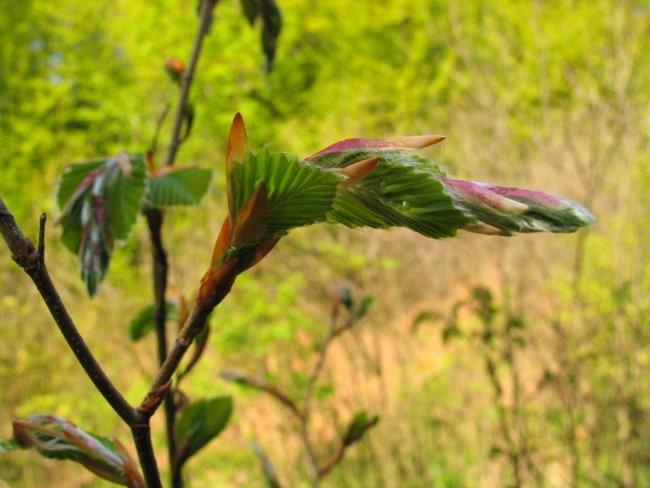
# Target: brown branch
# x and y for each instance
(32, 260)
(188, 75)
(215, 286)
(27, 257)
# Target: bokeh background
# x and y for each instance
(492, 362)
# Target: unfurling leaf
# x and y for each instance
(179, 186)
(144, 322)
(298, 193)
(56, 438)
(405, 190)
(199, 423)
(358, 427)
(99, 203)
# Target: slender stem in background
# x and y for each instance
(32, 260)
(205, 14)
(334, 331)
(160, 273)
(155, 222)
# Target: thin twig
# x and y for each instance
(159, 123)
(32, 261)
(160, 263)
(206, 11)
(193, 326)
(160, 273)
(28, 258)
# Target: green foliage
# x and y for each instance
(298, 194)
(144, 322)
(99, 203)
(269, 14)
(199, 423)
(180, 186)
(359, 424)
(55, 438)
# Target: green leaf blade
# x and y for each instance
(201, 422)
(124, 195)
(183, 186)
(144, 322)
(298, 194)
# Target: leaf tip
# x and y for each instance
(237, 141)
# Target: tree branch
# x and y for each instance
(28, 257)
(32, 260)
(205, 15)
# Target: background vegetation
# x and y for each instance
(491, 361)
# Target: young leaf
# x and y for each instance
(56, 438)
(99, 203)
(358, 426)
(124, 192)
(181, 186)
(199, 423)
(401, 191)
(406, 190)
(298, 193)
(272, 19)
(251, 10)
(144, 322)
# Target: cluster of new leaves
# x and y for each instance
(356, 182)
(56, 438)
(101, 199)
(374, 183)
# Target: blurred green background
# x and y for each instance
(493, 362)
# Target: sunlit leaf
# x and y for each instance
(181, 186)
(298, 193)
(399, 192)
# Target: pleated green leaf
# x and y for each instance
(201, 422)
(124, 195)
(299, 194)
(402, 191)
(183, 186)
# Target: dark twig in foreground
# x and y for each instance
(31, 259)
